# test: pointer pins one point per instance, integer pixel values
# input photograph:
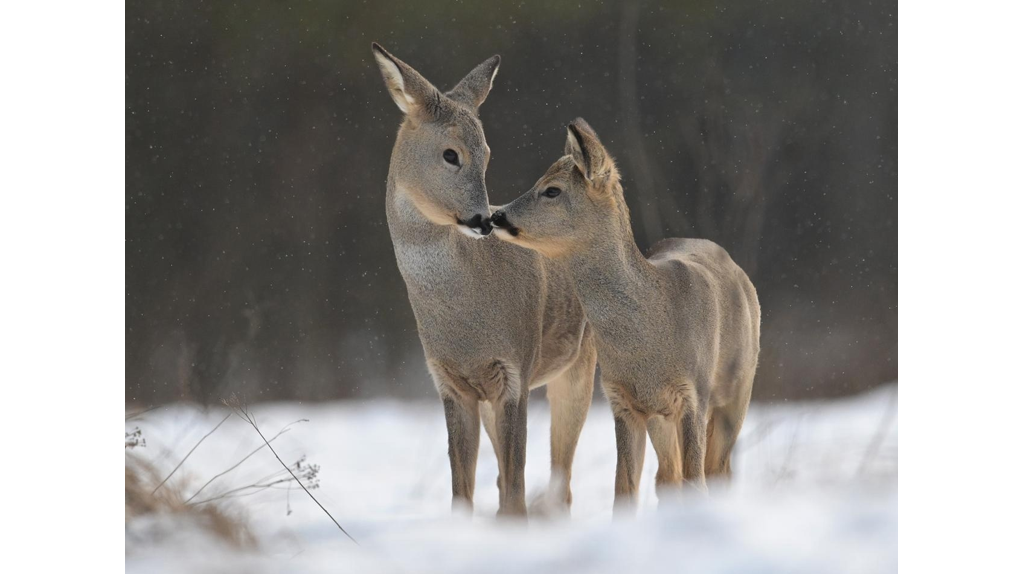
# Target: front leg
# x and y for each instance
(630, 442)
(510, 423)
(462, 416)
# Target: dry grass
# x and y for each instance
(149, 495)
(143, 499)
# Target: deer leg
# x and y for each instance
(630, 442)
(510, 420)
(491, 426)
(570, 397)
(461, 414)
(724, 429)
(693, 438)
(508, 395)
(665, 438)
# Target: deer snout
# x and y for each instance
(476, 227)
(480, 224)
(500, 220)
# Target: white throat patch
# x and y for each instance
(469, 232)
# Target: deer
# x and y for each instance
(494, 320)
(677, 332)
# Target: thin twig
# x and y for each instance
(138, 414)
(234, 492)
(785, 471)
(162, 482)
(239, 463)
(243, 413)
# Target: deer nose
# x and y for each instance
(480, 224)
(499, 219)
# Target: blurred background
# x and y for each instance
(258, 136)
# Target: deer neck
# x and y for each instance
(407, 224)
(617, 286)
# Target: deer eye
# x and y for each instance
(551, 192)
(451, 157)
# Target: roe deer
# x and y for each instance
(495, 320)
(677, 334)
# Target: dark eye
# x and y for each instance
(451, 157)
(551, 192)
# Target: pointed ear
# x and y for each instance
(411, 91)
(586, 150)
(473, 89)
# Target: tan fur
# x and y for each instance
(495, 320)
(677, 333)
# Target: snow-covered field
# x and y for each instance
(815, 490)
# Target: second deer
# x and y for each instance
(677, 333)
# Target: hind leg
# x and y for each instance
(723, 430)
(693, 439)
(665, 438)
(570, 396)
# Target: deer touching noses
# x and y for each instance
(479, 224)
(500, 220)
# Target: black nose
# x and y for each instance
(480, 223)
(499, 219)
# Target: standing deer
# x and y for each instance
(677, 333)
(495, 320)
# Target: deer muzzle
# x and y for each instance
(478, 224)
(500, 220)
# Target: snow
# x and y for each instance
(815, 490)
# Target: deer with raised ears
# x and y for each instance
(495, 320)
(678, 332)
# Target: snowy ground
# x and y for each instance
(815, 490)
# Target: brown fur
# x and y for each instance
(495, 320)
(678, 333)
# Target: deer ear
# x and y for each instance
(411, 91)
(586, 150)
(474, 88)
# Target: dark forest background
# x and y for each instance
(258, 136)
